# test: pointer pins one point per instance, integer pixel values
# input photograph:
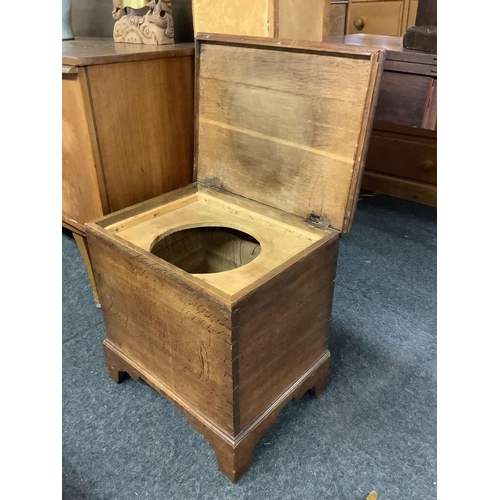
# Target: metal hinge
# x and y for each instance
(318, 221)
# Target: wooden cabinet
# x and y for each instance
(381, 17)
(402, 156)
(127, 122)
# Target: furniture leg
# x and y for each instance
(84, 251)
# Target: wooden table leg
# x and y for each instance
(84, 251)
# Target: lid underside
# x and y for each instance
(286, 126)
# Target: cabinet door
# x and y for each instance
(376, 18)
(81, 201)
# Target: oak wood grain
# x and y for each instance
(179, 332)
(284, 349)
(284, 127)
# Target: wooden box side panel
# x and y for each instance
(178, 334)
(144, 118)
(283, 329)
(284, 127)
(81, 201)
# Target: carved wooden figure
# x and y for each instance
(219, 294)
(156, 27)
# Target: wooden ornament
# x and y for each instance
(156, 27)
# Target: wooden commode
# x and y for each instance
(219, 294)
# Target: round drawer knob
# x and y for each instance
(359, 23)
(427, 164)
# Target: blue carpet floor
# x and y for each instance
(373, 429)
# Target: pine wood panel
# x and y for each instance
(262, 169)
(129, 216)
(279, 241)
(299, 72)
(153, 152)
(286, 128)
(327, 124)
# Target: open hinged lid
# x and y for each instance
(286, 123)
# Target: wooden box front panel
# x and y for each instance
(144, 120)
(179, 335)
(286, 128)
(81, 201)
(282, 329)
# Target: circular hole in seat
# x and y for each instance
(207, 249)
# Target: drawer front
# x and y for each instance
(376, 18)
(80, 191)
(403, 156)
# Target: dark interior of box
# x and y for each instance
(208, 249)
